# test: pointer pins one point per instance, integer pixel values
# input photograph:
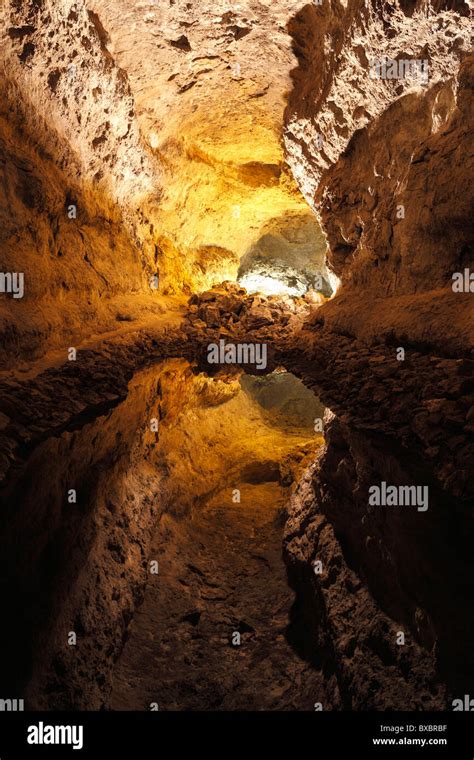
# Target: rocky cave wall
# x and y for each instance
(210, 85)
(77, 180)
(385, 164)
(161, 127)
(382, 161)
(174, 154)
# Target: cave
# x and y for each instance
(236, 368)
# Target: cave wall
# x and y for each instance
(210, 83)
(381, 162)
(292, 250)
(77, 182)
(161, 126)
(384, 164)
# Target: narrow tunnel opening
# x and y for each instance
(289, 257)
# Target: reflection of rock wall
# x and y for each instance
(289, 402)
(78, 565)
(81, 565)
(396, 559)
(406, 423)
(329, 522)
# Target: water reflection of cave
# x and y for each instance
(285, 399)
(288, 257)
(229, 450)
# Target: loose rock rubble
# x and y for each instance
(236, 312)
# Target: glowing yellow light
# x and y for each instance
(257, 283)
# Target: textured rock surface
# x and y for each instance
(76, 565)
(385, 179)
(210, 82)
(372, 671)
(161, 126)
(291, 252)
(164, 128)
(382, 574)
(88, 570)
(69, 136)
